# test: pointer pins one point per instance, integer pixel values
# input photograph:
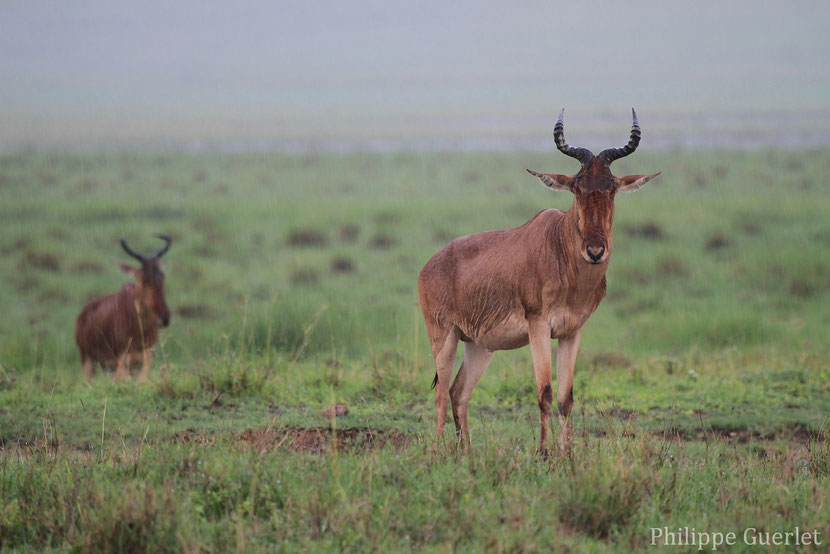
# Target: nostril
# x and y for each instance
(595, 253)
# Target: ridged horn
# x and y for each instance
(582, 154)
(131, 252)
(611, 154)
(164, 248)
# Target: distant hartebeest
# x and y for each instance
(500, 290)
(119, 330)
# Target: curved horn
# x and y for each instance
(582, 154)
(611, 154)
(131, 252)
(164, 248)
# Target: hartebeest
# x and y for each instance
(119, 330)
(500, 290)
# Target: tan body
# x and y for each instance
(501, 290)
(492, 286)
(118, 331)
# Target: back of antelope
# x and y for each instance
(118, 331)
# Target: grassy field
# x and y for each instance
(702, 385)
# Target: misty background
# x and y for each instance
(392, 74)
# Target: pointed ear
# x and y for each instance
(630, 183)
(130, 270)
(555, 181)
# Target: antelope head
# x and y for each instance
(150, 279)
(594, 189)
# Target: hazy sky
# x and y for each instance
(99, 70)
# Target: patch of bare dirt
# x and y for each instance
(46, 261)
(717, 242)
(740, 436)
(191, 436)
(195, 311)
(348, 232)
(623, 414)
(801, 288)
(341, 264)
(382, 242)
(335, 411)
(609, 360)
(87, 266)
(16, 246)
(442, 236)
(306, 237)
(7, 379)
(752, 228)
(648, 230)
(318, 440)
(672, 267)
(304, 276)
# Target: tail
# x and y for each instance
(434, 381)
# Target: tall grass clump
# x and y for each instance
(606, 485)
(819, 456)
(140, 518)
(84, 513)
(297, 328)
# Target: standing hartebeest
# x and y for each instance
(500, 290)
(119, 330)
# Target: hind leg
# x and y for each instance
(89, 369)
(476, 359)
(444, 342)
(444, 364)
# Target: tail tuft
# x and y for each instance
(434, 381)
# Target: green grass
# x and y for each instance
(702, 385)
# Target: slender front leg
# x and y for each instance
(146, 360)
(122, 367)
(539, 336)
(565, 357)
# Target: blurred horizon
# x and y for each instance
(395, 75)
